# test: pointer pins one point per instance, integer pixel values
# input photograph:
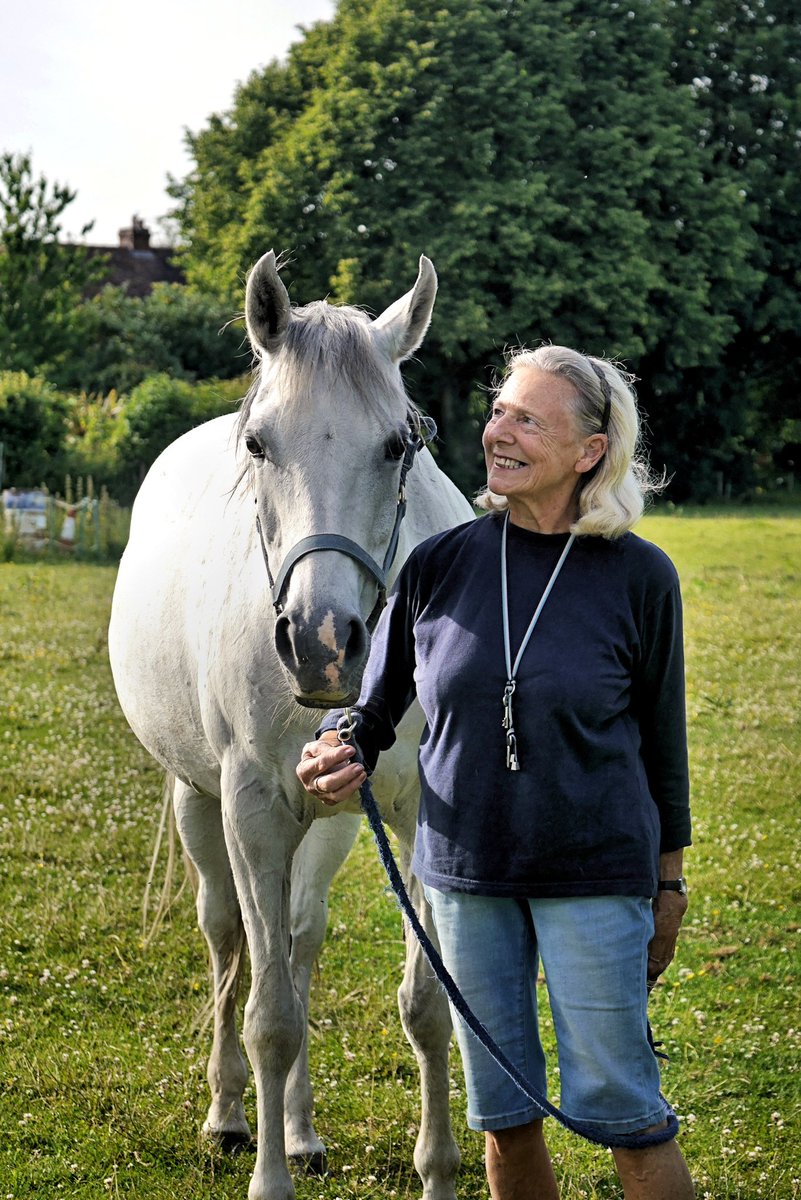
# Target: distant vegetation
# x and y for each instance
(624, 179)
(97, 386)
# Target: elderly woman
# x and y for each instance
(544, 643)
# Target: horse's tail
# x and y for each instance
(167, 829)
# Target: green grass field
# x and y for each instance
(102, 1063)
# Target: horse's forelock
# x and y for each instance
(324, 346)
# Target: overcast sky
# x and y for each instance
(100, 92)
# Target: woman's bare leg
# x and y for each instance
(519, 1165)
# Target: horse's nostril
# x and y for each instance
(357, 640)
(282, 639)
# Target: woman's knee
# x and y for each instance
(508, 1141)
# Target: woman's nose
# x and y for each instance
(503, 428)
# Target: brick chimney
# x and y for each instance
(135, 238)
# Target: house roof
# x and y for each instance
(134, 263)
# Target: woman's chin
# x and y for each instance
(504, 483)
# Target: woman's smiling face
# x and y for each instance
(534, 453)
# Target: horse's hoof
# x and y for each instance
(311, 1164)
(234, 1144)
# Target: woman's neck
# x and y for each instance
(556, 517)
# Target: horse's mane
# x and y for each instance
(325, 344)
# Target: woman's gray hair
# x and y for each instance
(613, 495)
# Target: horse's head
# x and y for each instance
(329, 431)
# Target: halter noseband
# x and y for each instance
(420, 433)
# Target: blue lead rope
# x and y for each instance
(592, 1133)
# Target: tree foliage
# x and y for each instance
(742, 63)
(124, 339)
(42, 282)
(34, 419)
(47, 434)
(620, 177)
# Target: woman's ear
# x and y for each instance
(595, 448)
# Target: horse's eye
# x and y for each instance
(254, 447)
(395, 446)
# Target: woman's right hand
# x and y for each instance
(327, 772)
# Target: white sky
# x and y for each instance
(100, 92)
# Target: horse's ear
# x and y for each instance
(401, 328)
(267, 306)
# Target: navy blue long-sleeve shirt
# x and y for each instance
(598, 712)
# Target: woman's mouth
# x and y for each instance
(507, 464)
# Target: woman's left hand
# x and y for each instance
(669, 909)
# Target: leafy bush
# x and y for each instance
(125, 339)
(33, 430)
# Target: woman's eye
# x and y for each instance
(254, 447)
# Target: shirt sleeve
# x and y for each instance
(662, 718)
(388, 687)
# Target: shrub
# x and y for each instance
(33, 429)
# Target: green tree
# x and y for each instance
(547, 158)
(742, 63)
(211, 199)
(41, 281)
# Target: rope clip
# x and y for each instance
(346, 726)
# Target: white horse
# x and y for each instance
(216, 681)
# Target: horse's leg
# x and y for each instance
(427, 1023)
(318, 858)
(199, 822)
(262, 835)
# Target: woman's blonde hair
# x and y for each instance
(613, 495)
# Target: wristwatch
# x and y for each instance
(673, 885)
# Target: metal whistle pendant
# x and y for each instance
(512, 761)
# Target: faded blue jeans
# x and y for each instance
(594, 952)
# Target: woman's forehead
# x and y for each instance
(531, 389)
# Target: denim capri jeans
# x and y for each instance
(593, 951)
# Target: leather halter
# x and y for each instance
(422, 431)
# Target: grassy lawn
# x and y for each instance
(102, 1063)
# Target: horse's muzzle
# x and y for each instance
(324, 669)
